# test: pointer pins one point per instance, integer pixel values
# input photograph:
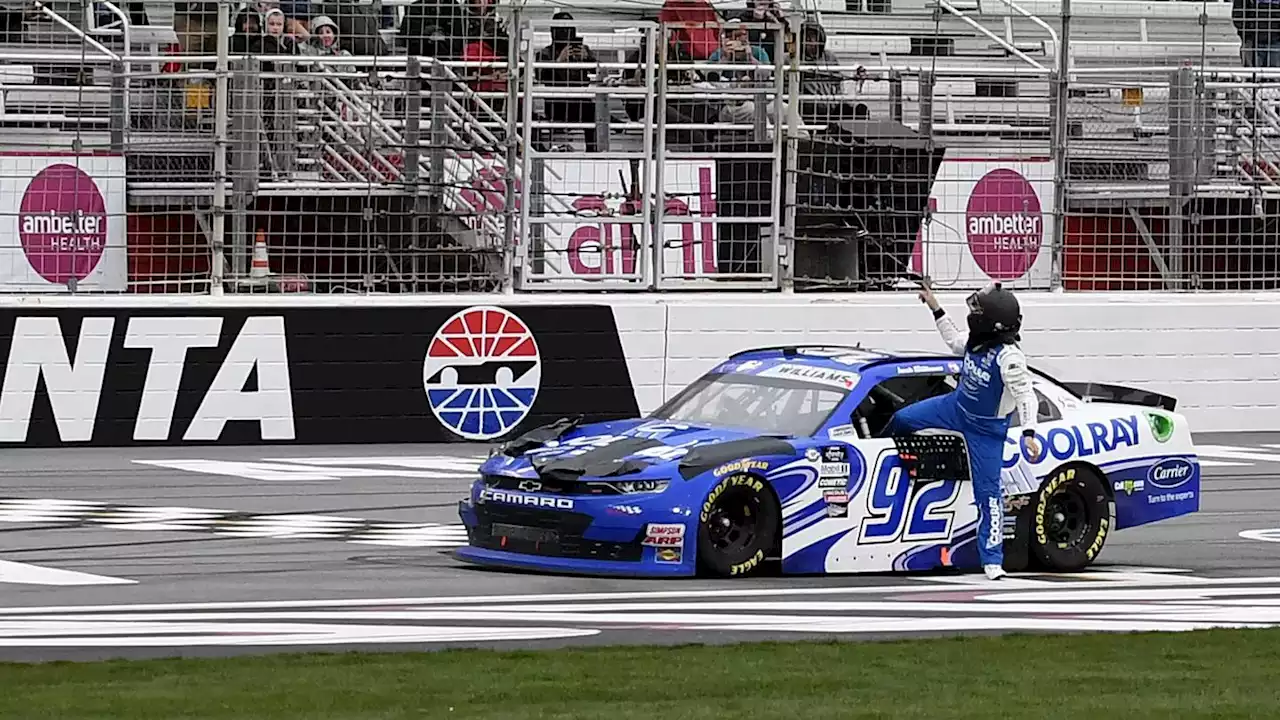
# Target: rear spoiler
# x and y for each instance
(1121, 394)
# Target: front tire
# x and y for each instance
(1074, 515)
(738, 524)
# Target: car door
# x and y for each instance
(886, 517)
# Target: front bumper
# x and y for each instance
(563, 542)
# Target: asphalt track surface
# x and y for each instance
(164, 551)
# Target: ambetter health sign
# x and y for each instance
(990, 219)
(63, 223)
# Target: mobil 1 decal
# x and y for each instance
(309, 375)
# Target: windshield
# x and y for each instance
(769, 405)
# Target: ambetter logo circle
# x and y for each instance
(1004, 225)
(482, 372)
(62, 223)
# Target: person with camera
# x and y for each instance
(757, 70)
(567, 47)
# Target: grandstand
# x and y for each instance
(344, 169)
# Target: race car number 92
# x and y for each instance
(898, 511)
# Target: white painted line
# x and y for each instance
(1229, 452)
(1222, 463)
(282, 471)
(167, 634)
(1271, 535)
(24, 574)
(1199, 586)
(467, 464)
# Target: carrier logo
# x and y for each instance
(512, 498)
(482, 372)
(1171, 473)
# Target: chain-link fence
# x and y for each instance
(441, 146)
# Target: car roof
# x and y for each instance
(847, 357)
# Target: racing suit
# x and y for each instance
(994, 381)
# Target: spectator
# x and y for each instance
(297, 16)
(736, 48)
(681, 109)
(489, 77)
(434, 29)
(764, 11)
(356, 23)
(567, 47)
(325, 43)
(276, 42)
(483, 24)
(196, 25)
(822, 90)
(247, 38)
(1258, 24)
(442, 29)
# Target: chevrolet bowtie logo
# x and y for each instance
(530, 485)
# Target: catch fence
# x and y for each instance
(1083, 146)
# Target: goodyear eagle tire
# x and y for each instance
(1072, 519)
(737, 524)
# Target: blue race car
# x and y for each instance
(777, 454)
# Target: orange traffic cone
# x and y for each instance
(260, 268)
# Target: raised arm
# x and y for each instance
(955, 338)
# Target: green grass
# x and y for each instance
(1207, 674)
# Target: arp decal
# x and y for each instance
(664, 535)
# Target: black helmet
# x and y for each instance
(994, 315)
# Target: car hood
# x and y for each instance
(631, 449)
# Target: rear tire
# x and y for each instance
(1072, 519)
(738, 525)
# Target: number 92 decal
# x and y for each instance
(898, 511)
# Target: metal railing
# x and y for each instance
(623, 169)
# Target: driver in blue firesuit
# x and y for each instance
(994, 381)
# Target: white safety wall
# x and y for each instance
(1218, 354)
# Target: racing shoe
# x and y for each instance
(994, 572)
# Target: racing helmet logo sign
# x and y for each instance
(482, 372)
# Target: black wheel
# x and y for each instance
(738, 523)
(1073, 516)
